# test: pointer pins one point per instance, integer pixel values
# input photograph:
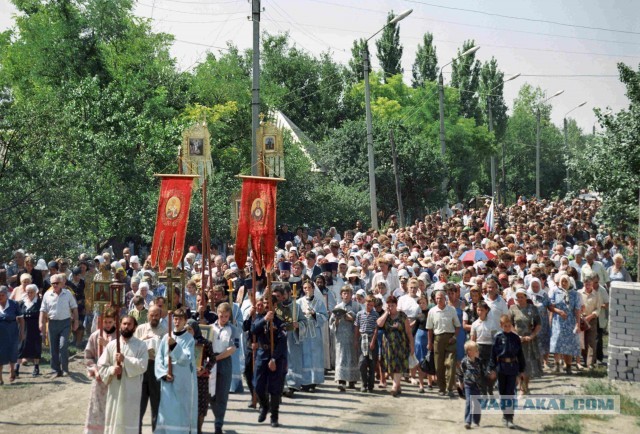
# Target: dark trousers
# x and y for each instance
(367, 365)
(485, 355)
(223, 384)
(248, 371)
(59, 344)
(269, 384)
(445, 361)
(507, 386)
(471, 389)
(599, 350)
(150, 392)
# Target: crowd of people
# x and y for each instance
(458, 307)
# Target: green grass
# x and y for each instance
(628, 405)
(563, 424)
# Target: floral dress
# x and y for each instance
(395, 345)
(541, 301)
(563, 339)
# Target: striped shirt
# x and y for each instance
(366, 322)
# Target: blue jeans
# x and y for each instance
(59, 344)
(471, 389)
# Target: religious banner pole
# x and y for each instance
(100, 335)
(117, 294)
(271, 309)
(295, 305)
(254, 398)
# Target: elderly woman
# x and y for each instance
(526, 320)
(31, 346)
(341, 321)
(11, 333)
(617, 272)
(397, 343)
(20, 291)
(564, 326)
(541, 301)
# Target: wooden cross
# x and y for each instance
(169, 279)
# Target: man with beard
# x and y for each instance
(98, 398)
(285, 271)
(151, 333)
(130, 363)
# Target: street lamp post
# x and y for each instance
(443, 147)
(566, 143)
(367, 104)
(538, 142)
(493, 157)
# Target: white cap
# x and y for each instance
(134, 260)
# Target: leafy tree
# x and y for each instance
(520, 143)
(425, 67)
(491, 89)
(610, 163)
(355, 72)
(390, 49)
(465, 76)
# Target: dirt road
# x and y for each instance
(58, 405)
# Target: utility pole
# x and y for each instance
(394, 155)
(372, 175)
(538, 154)
(566, 151)
(443, 146)
(638, 240)
(493, 157)
(255, 87)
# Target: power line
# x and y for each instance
(484, 45)
(191, 12)
(197, 22)
(205, 3)
(479, 26)
(511, 17)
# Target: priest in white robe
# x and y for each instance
(315, 312)
(178, 412)
(123, 395)
(98, 340)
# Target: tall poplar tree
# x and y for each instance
(389, 49)
(465, 76)
(425, 68)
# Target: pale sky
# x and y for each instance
(572, 45)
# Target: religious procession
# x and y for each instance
(238, 217)
(486, 301)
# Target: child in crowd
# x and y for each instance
(471, 374)
(507, 361)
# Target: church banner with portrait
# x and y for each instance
(257, 220)
(171, 220)
(195, 154)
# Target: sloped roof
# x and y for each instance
(297, 135)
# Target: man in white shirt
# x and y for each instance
(59, 310)
(443, 325)
(496, 303)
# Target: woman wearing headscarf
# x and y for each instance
(526, 321)
(11, 332)
(31, 346)
(205, 360)
(541, 301)
(564, 326)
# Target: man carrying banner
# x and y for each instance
(271, 364)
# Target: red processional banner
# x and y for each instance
(171, 220)
(257, 218)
